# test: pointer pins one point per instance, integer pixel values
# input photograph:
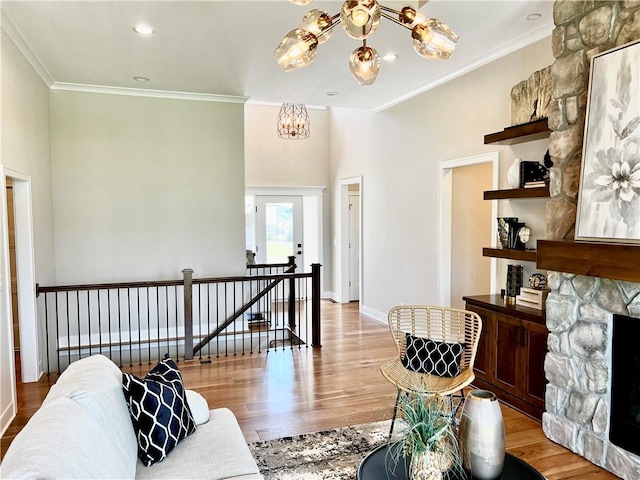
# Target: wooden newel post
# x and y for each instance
(292, 295)
(187, 275)
(315, 305)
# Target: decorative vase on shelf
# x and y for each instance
(513, 174)
(514, 283)
(481, 433)
(505, 225)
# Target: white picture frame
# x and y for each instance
(609, 194)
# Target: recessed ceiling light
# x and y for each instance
(141, 79)
(331, 94)
(144, 30)
(390, 57)
(534, 16)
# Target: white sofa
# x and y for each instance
(83, 430)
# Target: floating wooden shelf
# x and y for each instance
(519, 133)
(510, 254)
(607, 260)
(538, 192)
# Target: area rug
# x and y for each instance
(329, 455)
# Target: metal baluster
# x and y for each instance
(200, 317)
(130, 331)
(166, 313)
(148, 329)
(177, 336)
(209, 319)
(158, 342)
(119, 328)
(89, 318)
(139, 327)
(68, 330)
(226, 309)
(217, 319)
(46, 332)
(109, 319)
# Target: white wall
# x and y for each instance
(397, 152)
(273, 161)
(25, 148)
(144, 187)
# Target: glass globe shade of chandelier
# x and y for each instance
(432, 38)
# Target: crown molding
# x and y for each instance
(261, 103)
(18, 40)
(535, 35)
(140, 92)
(312, 191)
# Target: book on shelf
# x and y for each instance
(536, 184)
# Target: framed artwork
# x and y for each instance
(609, 196)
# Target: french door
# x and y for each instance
(279, 229)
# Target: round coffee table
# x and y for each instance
(374, 467)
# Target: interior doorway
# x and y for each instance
(350, 251)
(24, 287)
(447, 225)
(471, 221)
(11, 234)
(354, 242)
(30, 366)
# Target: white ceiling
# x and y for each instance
(226, 47)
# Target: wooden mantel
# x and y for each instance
(606, 260)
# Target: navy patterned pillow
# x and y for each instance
(159, 410)
(424, 355)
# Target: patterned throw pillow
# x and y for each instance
(159, 410)
(424, 355)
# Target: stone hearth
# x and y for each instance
(580, 309)
(578, 396)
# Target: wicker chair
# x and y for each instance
(440, 324)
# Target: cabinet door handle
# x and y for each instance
(518, 336)
(524, 337)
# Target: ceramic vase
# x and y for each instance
(514, 281)
(481, 433)
(513, 174)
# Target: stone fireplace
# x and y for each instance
(580, 309)
(578, 366)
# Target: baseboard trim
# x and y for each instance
(376, 315)
(7, 417)
(330, 296)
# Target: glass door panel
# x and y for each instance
(278, 229)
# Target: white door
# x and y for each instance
(279, 229)
(354, 247)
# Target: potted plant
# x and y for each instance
(428, 444)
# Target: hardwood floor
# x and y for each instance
(289, 392)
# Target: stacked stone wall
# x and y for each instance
(583, 29)
(580, 309)
(577, 366)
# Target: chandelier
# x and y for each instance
(293, 121)
(360, 18)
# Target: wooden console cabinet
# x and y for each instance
(510, 357)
